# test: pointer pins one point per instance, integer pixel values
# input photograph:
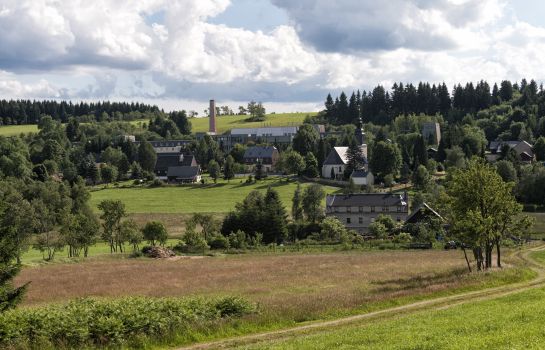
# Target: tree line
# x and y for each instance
(16, 112)
(381, 106)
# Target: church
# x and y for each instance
(336, 162)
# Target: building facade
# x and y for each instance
(431, 133)
(266, 155)
(358, 211)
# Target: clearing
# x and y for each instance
(11, 130)
(197, 198)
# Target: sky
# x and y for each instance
(178, 54)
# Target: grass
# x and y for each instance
(208, 198)
(512, 322)
(289, 287)
(224, 123)
(12, 130)
(33, 257)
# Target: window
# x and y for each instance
(360, 220)
(348, 209)
(348, 221)
(386, 209)
(399, 208)
(398, 219)
(372, 209)
(361, 209)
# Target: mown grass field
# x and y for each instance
(512, 322)
(208, 198)
(224, 123)
(11, 130)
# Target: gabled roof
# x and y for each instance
(166, 160)
(338, 156)
(497, 145)
(359, 173)
(260, 152)
(183, 172)
(365, 199)
(418, 210)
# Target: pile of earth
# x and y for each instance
(158, 252)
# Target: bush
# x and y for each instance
(218, 241)
(109, 323)
(157, 183)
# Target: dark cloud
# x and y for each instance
(368, 25)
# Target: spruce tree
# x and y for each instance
(276, 228)
(297, 207)
(420, 154)
(228, 168)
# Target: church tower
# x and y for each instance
(360, 134)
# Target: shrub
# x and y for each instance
(218, 241)
(109, 323)
(157, 183)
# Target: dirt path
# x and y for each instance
(435, 304)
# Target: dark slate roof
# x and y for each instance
(365, 199)
(166, 160)
(260, 152)
(496, 145)
(334, 158)
(418, 212)
(183, 172)
(359, 173)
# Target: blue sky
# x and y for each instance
(288, 54)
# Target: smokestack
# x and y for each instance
(212, 121)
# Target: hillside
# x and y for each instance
(225, 123)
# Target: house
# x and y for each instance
(524, 149)
(266, 155)
(169, 146)
(183, 174)
(431, 132)
(362, 177)
(358, 211)
(335, 163)
(174, 159)
(423, 212)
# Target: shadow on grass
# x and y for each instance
(418, 282)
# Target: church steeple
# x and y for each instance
(360, 134)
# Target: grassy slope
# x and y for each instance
(11, 130)
(220, 197)
(237, 121)
(513, 322)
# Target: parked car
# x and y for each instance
(451, 245)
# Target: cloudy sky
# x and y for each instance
(289, 54)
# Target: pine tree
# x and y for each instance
(276, 228)
(420, 154)
(228, 168)
(259, 174)
(297, 207)
(355, 157)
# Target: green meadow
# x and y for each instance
(197, 198)
(224, 123)
(512, 322)
(11, 130)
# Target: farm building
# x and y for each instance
(523, 149)
(184, 174)
(358, 211)
(267, 155)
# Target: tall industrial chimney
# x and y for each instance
(212, 121)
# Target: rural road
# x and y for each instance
(431, 304)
